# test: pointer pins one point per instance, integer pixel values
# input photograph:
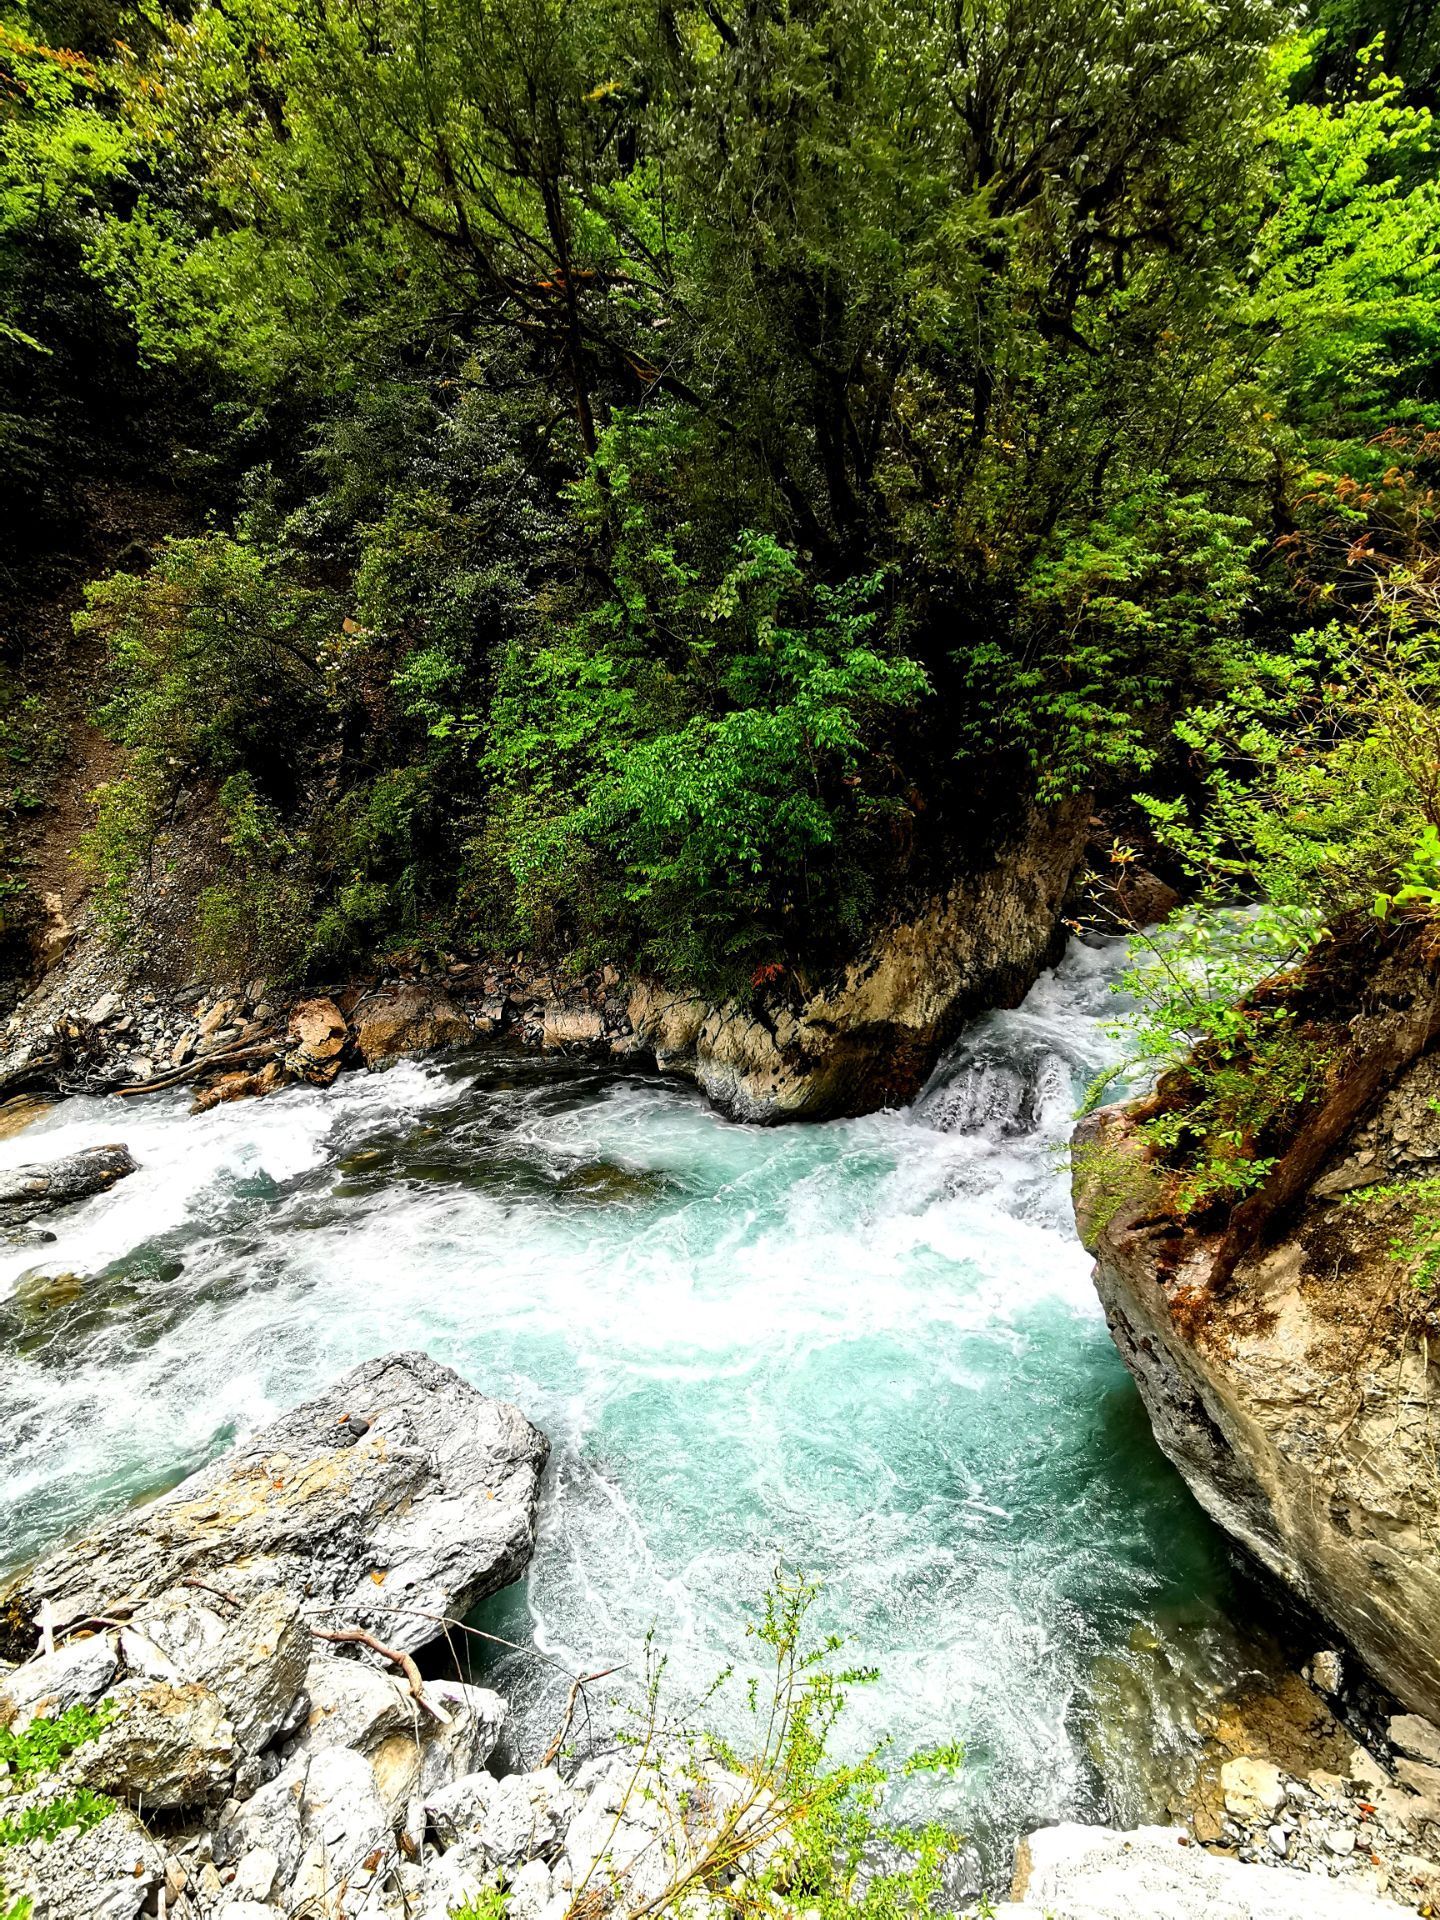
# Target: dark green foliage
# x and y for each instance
(711, 467)
(708, 753)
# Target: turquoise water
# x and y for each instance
(868, 1349)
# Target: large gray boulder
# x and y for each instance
(28, 1192)
(391, 1502)
(73, 1675)
(254, 1659)
(1094, 1873)
(168, 1745)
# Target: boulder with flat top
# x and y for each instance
(396, 1499)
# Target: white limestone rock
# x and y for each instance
(509, 1821)
(269, 1822)
(253, 1660)
(1094, 1873)
(1417, 1739)
(76, 1673)
(354, 1705)
(108, 1872)
(645, 1825)
(167, 1745)
(1254, 1790)
(395, 1499)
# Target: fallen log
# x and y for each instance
(252, 1052)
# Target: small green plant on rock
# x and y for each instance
(1214, 1025)
(1414, 1243)
(32, 1756)
(1418, 893)
(1106, 1177)
(45, 1744)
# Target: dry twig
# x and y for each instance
(358, 1637)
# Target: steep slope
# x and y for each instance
(1284, 1350)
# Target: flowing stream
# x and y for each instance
(870, 1348)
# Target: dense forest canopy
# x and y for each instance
(660, 480)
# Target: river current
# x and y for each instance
(869, 1349)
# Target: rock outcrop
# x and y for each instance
(258, 1752)
(315, 1040)
(1283, 1352)
(1156, 1873)
(396, 1499)
(870, 1039)
(398, 1020)
(27, 1192)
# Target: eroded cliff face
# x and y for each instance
(869, 1039)
(1286, 1357)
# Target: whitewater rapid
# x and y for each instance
(870, 1349)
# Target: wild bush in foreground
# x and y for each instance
(807, 1831)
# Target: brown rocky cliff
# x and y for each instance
(1284, 1354)
(870, 1038)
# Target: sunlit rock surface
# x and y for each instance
(1093, 1873)
(394, 1500)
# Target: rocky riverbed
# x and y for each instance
(269, 1744)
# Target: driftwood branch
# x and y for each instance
(87, 1627)
(356, 1636)
(204, 1586)
(580, 1682)
(249, 1050)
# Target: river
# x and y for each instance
(869, 1349)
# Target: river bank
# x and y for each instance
(102, 1020)
(260, 1708)
(872, 1347)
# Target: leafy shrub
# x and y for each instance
(807, 1829)
(721, 839)
(254, 912)
(1319, 779)
(219, 660)
(119, 848)
(1419, 890)
(1117, 617)
(219, 656)
(1235, 1066)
